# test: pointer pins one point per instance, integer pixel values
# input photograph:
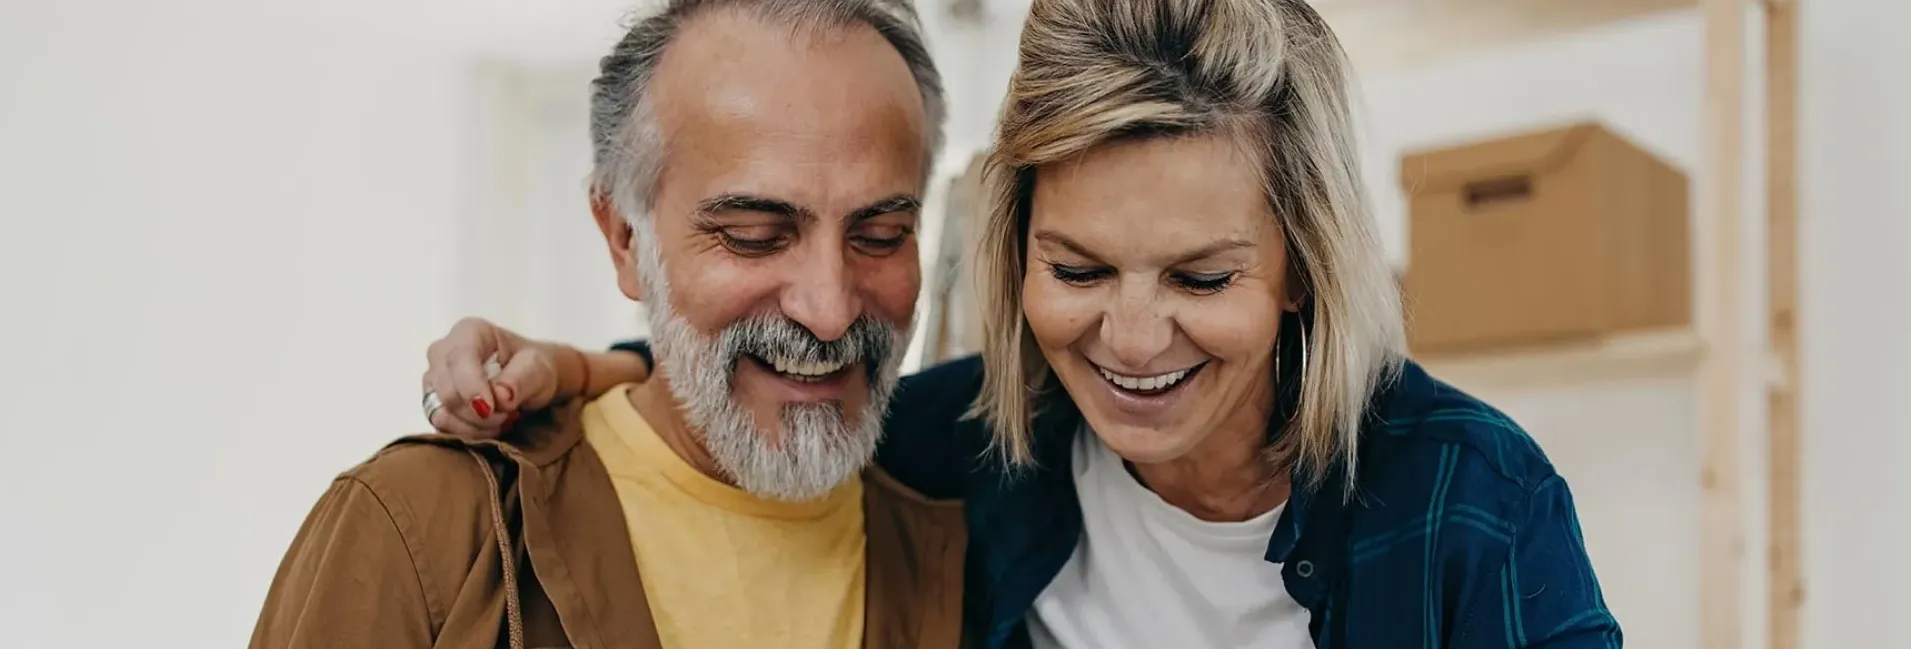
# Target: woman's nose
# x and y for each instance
(1136, 327)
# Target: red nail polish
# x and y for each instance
(504, 392)
(483, 409)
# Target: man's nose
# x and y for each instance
(821, 294)
(1135, 327)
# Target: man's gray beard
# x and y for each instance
(817, 449)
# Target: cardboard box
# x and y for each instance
(1564, 234)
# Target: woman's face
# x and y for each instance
(1156, 279)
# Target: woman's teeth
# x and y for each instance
(1145, 383)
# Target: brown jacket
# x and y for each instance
(445, 542)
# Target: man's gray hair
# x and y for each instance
(628, 148)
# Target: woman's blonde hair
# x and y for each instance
(1267, 74)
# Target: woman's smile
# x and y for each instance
(1148, 394)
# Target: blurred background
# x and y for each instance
(229, 228)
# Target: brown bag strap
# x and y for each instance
(513, 614)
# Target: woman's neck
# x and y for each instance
(1227, 477)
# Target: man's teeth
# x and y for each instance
(807, 369)
(1145, 383)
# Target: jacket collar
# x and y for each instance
(915, 552)
(576, 534)
(579, 542)
(572, 527)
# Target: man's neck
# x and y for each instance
(659, 407)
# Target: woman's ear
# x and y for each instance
(1294, 289)
(618, 235)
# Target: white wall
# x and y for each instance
(530, 257)
(975, 58)
(225, 236)
(1856, 329)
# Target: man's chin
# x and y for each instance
(810, 450)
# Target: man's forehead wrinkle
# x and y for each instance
(731, 37)
(718, 71)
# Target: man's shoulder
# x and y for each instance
(434, 462)
(417, 462)
(426, 483)
(421, 502)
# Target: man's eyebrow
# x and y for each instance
(749, 203)
(891, 205)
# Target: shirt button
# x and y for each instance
(1305, 569)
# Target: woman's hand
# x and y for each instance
(528, 378)
(530, 375)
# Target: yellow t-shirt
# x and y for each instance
(722, 568)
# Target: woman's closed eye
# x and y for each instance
(1203, 283)
(1077, 275)
(1195, 283)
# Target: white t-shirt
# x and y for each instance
(1148, 575)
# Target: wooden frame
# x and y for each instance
(1722, 529)
(1722, 539)
(1782, 399)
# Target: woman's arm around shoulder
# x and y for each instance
(929, 443)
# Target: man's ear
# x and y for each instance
(619, 236)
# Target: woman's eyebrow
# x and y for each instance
(1059, 239)
(1213, 249)
(1203, 252)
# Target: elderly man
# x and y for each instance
(758, 167)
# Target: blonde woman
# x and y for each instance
(1193, 424)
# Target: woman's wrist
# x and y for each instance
(589, 374)
(574, 373)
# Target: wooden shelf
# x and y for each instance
(1645, 354)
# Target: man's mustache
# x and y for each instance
(775, 336)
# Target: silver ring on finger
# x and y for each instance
(433, 404)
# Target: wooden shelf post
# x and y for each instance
(1721, 533)
(1781, 218)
